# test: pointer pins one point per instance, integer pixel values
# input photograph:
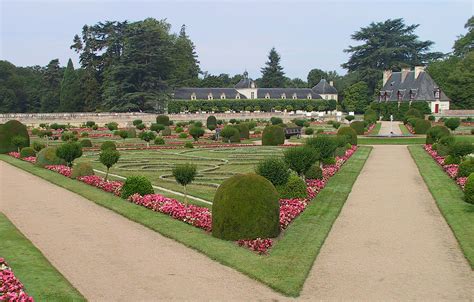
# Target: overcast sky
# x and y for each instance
(230, 36)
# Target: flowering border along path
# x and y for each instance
(11, 289)
(451, 170)
(202, 217)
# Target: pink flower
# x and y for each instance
(97, 181)
(11, 289)
(61, 169)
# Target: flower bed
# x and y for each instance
(106, 185)
(31, 159)
(11, 289)
(61, 169)
(451, 170)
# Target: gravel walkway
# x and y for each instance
(390, 241)
(110, 258)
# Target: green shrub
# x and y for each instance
(112, 126)
(188, 145)
(178, 129)
(314, 172)
(163, 119)
(340, 151)
(37, 146)
(159, 141)
(276, 120)
(308, 131)
(90, 124)
(157, 127)
(68, 137)
(359, 127)
(166, 131)
(27, 152)
(95, 127)
(349, 118)
(131, 133)
(47, 156)
(461, 149)
(8, 131)
(243, 130)
(196, 132)
(274, 169)
(69, 152)
(466, 167)
(245, 207)
(370, 116)
(349, 133)
(329, 160)
(81, 169)
(299, 122)
(108, 158)
(295, 187)
(230, 133)
(273, 136)
(412, 112)
(136, 184)
(450, 159)
(443, 150)
(211, 120)
(325, 144)
(412, 121)
(147, 136)
(108, 145)
(301, 158)
(137, 122)
(140, 126)
(431, 118)
(469, 189)
(435, 133)
(86, 143)
(183, 135)
(84, 134)
(422, 126)
(184, 174)
(452, 123)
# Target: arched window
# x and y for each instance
(193, 96)
(209, 96)
(223, 96)
(283, 96)
(237, 96)
(267, 95)
(309, 97)
(294, 96)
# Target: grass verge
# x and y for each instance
(42, 281)
(376, 129)
(449, 198)
(286, 267)
(404, 129)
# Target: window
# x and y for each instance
(309, 96)
(399, 95)
(237, 96)
(252, 95)
(223, 96)
(326, 97)
(209, 96)
(283, 96)
(193, 96)
(437, 93)
(267, 95)
(294, 96)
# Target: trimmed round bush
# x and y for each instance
(273, 136)
(230, 134)
(178, 129)
(243, 130)
(38, 146)
(308, 131)
(47, 156)
(412, 112)
(86, 143)
(314, 172)
(276, 120)
(329, 160)
(325, 144)
(370, 116)
(349, 133)
(183, 135)
(81, 169)
(340, 151)
(8, 131)
(69, 152)
(166, 131)
(159, 141)
(452, 123)
(469, 189)
(27, 152)
(157, 127)
(466, 167)
(274, 169)
(295, 187)
(211, 120)
(359, 127)
(196, 132)
(449, 160)
(163, 119)
(435, 133)
(422, 126)
(246, 207)
(108, 145)
(188, 145)
(136, 184)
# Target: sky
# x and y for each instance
(230, 36)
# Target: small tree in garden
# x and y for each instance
(184, 175)
(163, 119)
(90, 124)
(211, 127)
(229, 132)
(274, 169)
(452, 123)
(108, 158)
(157, 127)
(140, 126)
(45, 134)
(349, 118)
(300, 159)
(137, 122)
(123, 134)
(19, 142)
(112, 126)
(69, 152)
(147, 136)
(196, 132)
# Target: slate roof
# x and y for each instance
(422, 87)
(202, 93)
(245, 83)
(275, 93)
(323, 87)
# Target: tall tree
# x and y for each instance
(315, 75)
(52, 78)
(186, 65)
(272, 74)
(465, 43)
(387, 45)
(356, 97)
(70, 96)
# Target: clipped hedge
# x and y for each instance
(27, 151)
(243, 130)
(82, 169)
(163, 119)
(359, 127)
(108, 145)
(245, 207)
(349, 133)
(273, 136)
(86, 143)
(422, 126)
(435, 133)
(136, 184)
(8, 131)
(314, 172)
(295, 187)
(47, 156)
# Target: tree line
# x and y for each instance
(135, 67)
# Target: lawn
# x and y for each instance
(449, 198)
(285, 268)
(376, 129)
(41, 280)
(404, 129)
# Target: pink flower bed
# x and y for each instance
(370, 129)
(31, 159)
(410, 128)
(11, 289)
(14, 154)
(97, 181)
(258, 245)
(61, 169)
(451, 170)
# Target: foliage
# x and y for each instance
(163, 120)
(69, 152)
(469, 189)
(308, 131)
(461, 149)
(27, 152)
(314, 172)
(37, 146)
(466, 167)
(123, 133)
(188, 145)
(112, 126)
(326, 145)
(136, 184)
(19, 142)
(137, 122)
(450, 160)
(109, 157)
(349, 118)
(359, 127)
(8, 131)
(435, 133)
(300, 159)
(166, 131)
(108, 145)
(47, 156)
(349, 133)
(159, 141)
(370, 116)
(245, 207)
(157, 127)
(211, 121)
(274, 169)
(273, 136)
(412, 112)
(356, 97)
(452, 123)
(86, 143)
(184, 174)
(82, 169)
(70, 95)
(147, 136)
(272, 74)
(276, 120)
(140, 126)
(315, 76)
(422, 126)
(243, 130)
(294, 188)
(196, 132)
(229, 132)
(183, 135)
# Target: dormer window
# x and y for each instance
(267, 95)
(193, 96)
(223, 96)
(237, 96)
(437, 93)
(309, 97)
(283, 96)
(294, 96)
(412, 94)
(399, 95)
(209, 96)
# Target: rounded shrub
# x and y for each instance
(450, 160)
(276, 120)
(325, 144)
(359, 127)
(246, 207)
(370, 116)
(38, 146)
(211, 120)
(27, 152)
(163, 119)
(422, 126)
(81, 169)
(183, 135)
(314, 172)
(8, 131)
(166, 131)
(47, 156)
(349, 133)
(469, 189)
(435, 133)
(466, 167)
(243, 130)
(274, 169)
(131, 133)
(136, 184)
(308, 131)
(157, 127)
(412, 112)
(178, 129)
(461, 149)
(188, 145)
(340, 151)
(452, 123)
(86, 143)
(273, 136)
(159, 141)
(69, 152)
(108, 145)
(295, 187)
(329, 160)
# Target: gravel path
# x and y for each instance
(110, 258)
(390, 241)
(385, 128)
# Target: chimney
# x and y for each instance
(405, 72)
(418, 70)
(331, 83)
(386, 75)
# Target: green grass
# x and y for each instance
(41, 280)
(404, 129)
(376, 129)
(449, 198)
(286, 267)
